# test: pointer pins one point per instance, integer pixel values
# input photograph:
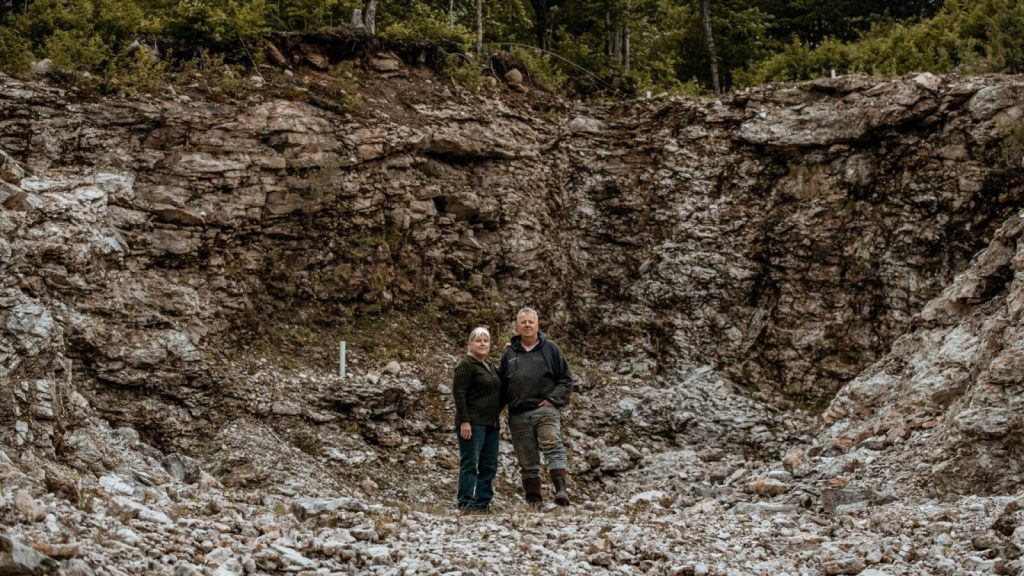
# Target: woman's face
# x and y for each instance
(481, 345)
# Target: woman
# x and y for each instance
(477, 391)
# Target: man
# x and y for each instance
(536, 382)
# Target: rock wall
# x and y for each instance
(784, 236)
(942, 410)
(788, 235)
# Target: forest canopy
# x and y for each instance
(676, 46)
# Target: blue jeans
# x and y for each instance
(534, 432)
(478, 464)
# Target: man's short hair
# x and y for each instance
(525, 311)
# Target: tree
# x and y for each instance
(709, 40)
(541, 23)
(479, 28)
(370, 16)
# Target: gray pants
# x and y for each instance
(535, 432)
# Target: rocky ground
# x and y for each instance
(677, 510)
(792, 312)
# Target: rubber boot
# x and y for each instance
(534, 491)
(559, 478)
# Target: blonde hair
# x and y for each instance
(474, 334)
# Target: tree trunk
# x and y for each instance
(370, 15)
(608, 48)
(625, 37)
(540, 21)
(709, 39)
(625, 49)
(479, 28)
(451, 14)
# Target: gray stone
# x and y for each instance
(16, 558)
(849, 565)
(32, 510)
(75, 567)
(305, 508)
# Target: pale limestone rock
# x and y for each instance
(122, 506)
(385, 62)
(312, 507)
(31, 509)
(767, 487)
(587, 125)
(16, 558)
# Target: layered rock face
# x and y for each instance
(789, 235)
(784, 236)
(947, 397)
(697, 259)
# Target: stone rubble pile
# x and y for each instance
(118, 524)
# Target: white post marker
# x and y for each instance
(341, 360)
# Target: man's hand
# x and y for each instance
(546, 403)
(466, 431)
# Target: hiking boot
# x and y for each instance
(559, 478)
(534, 491)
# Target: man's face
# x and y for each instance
(526, 326)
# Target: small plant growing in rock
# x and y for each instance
(464, 73)
(383, 527)
(279, 509)
(178, 511)
(542, 71)
(343, 87)
(213, 75)
(86, 500)
(1011, 149)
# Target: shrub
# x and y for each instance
(308, 15)
(15, 52)
(464, 73)
(136, 73)
(971, 36)
(541, 69)
(999, 27)
(210, 73)
(206, 22)
(43, 18)
(422, 22)
(75, 51)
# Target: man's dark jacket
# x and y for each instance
(527, 378)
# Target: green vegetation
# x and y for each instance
(421, 20)
(965, 36)
(15, 51)
(612, 46)
(464, 73)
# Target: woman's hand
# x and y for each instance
(466, 431)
